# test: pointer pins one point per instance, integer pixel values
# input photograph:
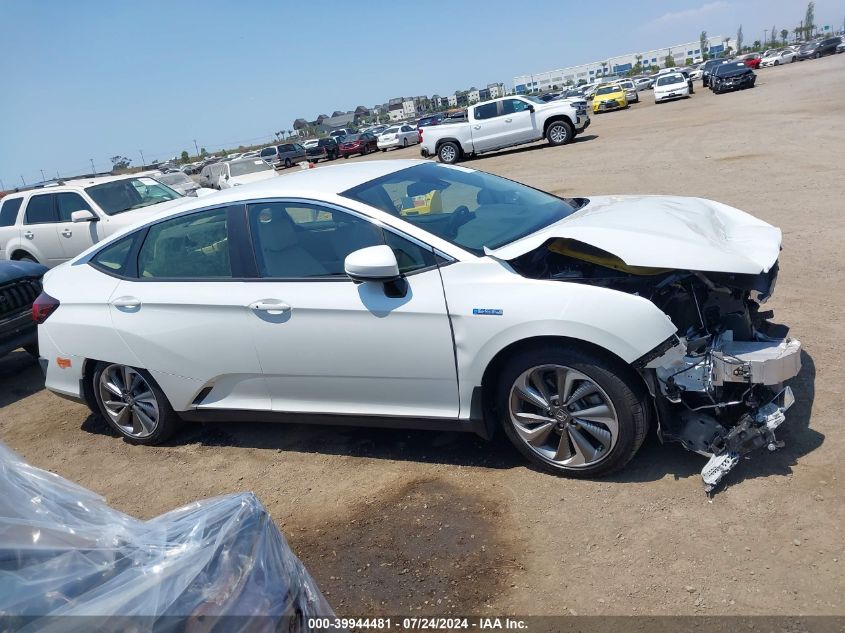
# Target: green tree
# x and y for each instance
(756, 46)
(184, 157)
(203, 152)
(702, 40)
(784, 33)
(119, 162)
(809, 17)
(739, 39)
(797, 32)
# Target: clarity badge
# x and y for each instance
(487, 311)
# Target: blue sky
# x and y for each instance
(91, 79)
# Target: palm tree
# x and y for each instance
(783, 35)
(797, 31)
(604, 68)
(727, 45)
(290, 133)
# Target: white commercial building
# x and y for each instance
(587, 73)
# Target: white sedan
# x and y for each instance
(419, 295)
(398, 136)
(670, 86)
(776, 58)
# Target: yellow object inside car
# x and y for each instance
(423, 204)
(609, 97)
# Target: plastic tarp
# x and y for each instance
(70, 562)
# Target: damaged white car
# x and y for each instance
(413, 294)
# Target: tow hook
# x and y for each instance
(754, 430)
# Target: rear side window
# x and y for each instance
(9, 211)
(114, 258)
(40, 210)
(67, 203)
(194, 246)
(486, 111)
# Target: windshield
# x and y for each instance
(174, 178)
(468, 208)
(670, 79)
(244, 167)
(606, 90)
(626, 84)
(351, 137)
(726, 68)
(130, 193)
(391, 130)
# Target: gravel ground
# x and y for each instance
(397, 522)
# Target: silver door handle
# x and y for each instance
(67, 232)
(270, 306)
(127, 302)
(29, 235)
(476, 127)
(508, 120)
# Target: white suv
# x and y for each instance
(52, 224)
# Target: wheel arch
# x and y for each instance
(448, 139)
(555, 118)
(17, 253)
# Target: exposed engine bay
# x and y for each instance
(717, 384)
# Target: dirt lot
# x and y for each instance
(393, 521)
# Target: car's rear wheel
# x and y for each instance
(404, 142)
(132, 404)
(26, 258)
(384, 149)
(288, 164)
(571, 411)
(559, 133)
(449, 153)
(777, 63)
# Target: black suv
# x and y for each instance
(20, 285)
(325, 149)
(732, 76)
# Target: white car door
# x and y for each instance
(185, 317)
(487, 127)
(331, 346)
(75, 237)
(39, 230)
(519, 122)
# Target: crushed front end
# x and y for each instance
(718, 384)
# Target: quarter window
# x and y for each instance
(39, 210)
(67, 203)
(9, 211)
(188, 247)
(115, 257)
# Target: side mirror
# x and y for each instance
(531, 108)
(374, 263)
(83, 215)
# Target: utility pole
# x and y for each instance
(23, 181)
(765, 35)
(93, 169)
(196, 147)
(142, 157)
(43, 177)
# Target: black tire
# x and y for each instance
(559, 133)
(288, 164)
(449, 153)
(31, 349)
(384, 150)
(777, 62)
(346, 155)
(817, 56)
(168, 421)
(624, 390)
(404, 142)
(27, 258)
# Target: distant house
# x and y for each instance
(338, 113)
(321, 118)
(496, 90)
(362, 111)
(300, 124)
(339, 121)
(473, 95)
(452, 100)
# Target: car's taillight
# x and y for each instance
(43, 307)
(419, 132)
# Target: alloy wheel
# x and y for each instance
(563, 416)
(129, 401)
(447, 153)
(558, 134)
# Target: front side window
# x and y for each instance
(268, 151)
(486, 111)
(39, 210)
(126, 194)
(510, 106)
(193, 246)
(67, 203)
(470, 209)
(9, 211)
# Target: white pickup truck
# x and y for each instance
(505, 122)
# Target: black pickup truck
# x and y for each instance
(20, 285)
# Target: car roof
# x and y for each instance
(77, 184)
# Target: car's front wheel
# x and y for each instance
(560, 133)
(571, 411)
(132, 404)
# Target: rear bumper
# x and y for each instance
(65, 381)
(389, 144)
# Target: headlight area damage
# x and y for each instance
(717, 384)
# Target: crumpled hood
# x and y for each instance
(664, 232)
